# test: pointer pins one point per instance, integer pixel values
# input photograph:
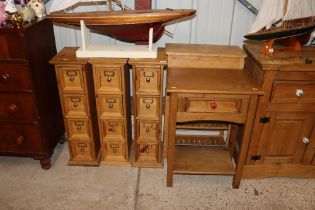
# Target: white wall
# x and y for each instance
(217, 22)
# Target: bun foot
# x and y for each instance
(45, 163)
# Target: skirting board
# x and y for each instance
(117, 51)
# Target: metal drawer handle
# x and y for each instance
(82, 146)
(71, 78)
(75, 104)
(114, 147)
(4, 77)
(110, 106)
(148, 79)
(299, 92)
(306, 140)
(147, 130)
(147, 106)
(20, 140)
(109, 79)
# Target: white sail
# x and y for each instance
(269, 13)
(57, 5)
(299, 9)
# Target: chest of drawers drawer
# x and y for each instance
(113, 129)
(71, 79)
(75, 105)
(110, 106)
(148, 80)
(12, 45)
(14, 77)
(81, 151)
(148, 107)
(107, 79)
(17, 106)
(293, 92)
(148, 130)
(79, 129)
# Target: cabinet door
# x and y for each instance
(284, 139)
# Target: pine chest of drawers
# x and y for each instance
(30, 115)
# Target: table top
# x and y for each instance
(227, 81)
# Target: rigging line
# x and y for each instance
(232, 23)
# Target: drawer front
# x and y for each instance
(18, 107)
(75, 105)
(293, 92)
(148, 107)
(20, 138)
(148, 130)
(215, 104)
(12, 46)
(113, 129)
(79, 129)
(110, 106)
(148, 80)
(107, 79)
(148, 151)
(81, 150)
(14, 77)
(114, 151)
(71, 79)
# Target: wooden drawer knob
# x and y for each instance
(213, 104)
(299, 92)
(4, 77)
(20, 140)
(12, 108)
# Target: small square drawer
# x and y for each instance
(71, 78)
(146, 151)
(232, 104)
(15, 106)
(148, 130)
(110, 106)
(148, 80)
(293, 92)
(79, 129)
(75, 105)
(107, 79)
(81, 150)
(114, 151)
(14, 77)
(113, 129)
(148, 106)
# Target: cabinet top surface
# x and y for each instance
(204, 50)
(303, 60)
(68, 56)
(161, 59)
(226, 81)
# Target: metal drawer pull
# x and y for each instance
(82, 146)
(148, 79)
(4, 77)
(75, 101)
(147, 130)
(71, 78)
(71, 74)
(114, 147)
(147, 106)
(79, 125)
(109, 79)
(148, 102)
(306, 140)
(109, 73)
(299, 92)
(20, 140)
(110, 106)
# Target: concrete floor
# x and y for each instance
(24, 185)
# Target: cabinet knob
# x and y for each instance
(306, 140)
(71, 78)
(147, 130)
(4, 77)
(20, 139)
(12, 108)
(299, 93)
(147, 106)
(148, 79)
(110, 106)
(109, 79)
(213, 104)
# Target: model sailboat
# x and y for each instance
(291, 21)
(125, 25)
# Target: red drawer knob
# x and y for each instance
(12, 108)
(20, 139)
(5, 77)
(213, 104)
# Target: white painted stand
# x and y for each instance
(88, 50)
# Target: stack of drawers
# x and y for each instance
(75, 82)
(30, 114)
(111, 82)
(147, 89)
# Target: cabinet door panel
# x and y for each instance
(282, 139)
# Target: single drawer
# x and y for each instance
(17, 107)
(113, 129)
(148, 80)
(147, 151)
(148, 130)
(107, 79)
(148, 107)
(70, 78)
(20, 138)
(110, 106)
(79, 129)
(232, 104)
(14, 77)
(75, 105)
(12, 45)
(293, 92)
(115, 151)
(81, 150)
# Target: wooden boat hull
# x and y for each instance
(129, 26)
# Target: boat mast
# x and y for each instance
(110, 9)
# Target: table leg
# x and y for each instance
(171, 138)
